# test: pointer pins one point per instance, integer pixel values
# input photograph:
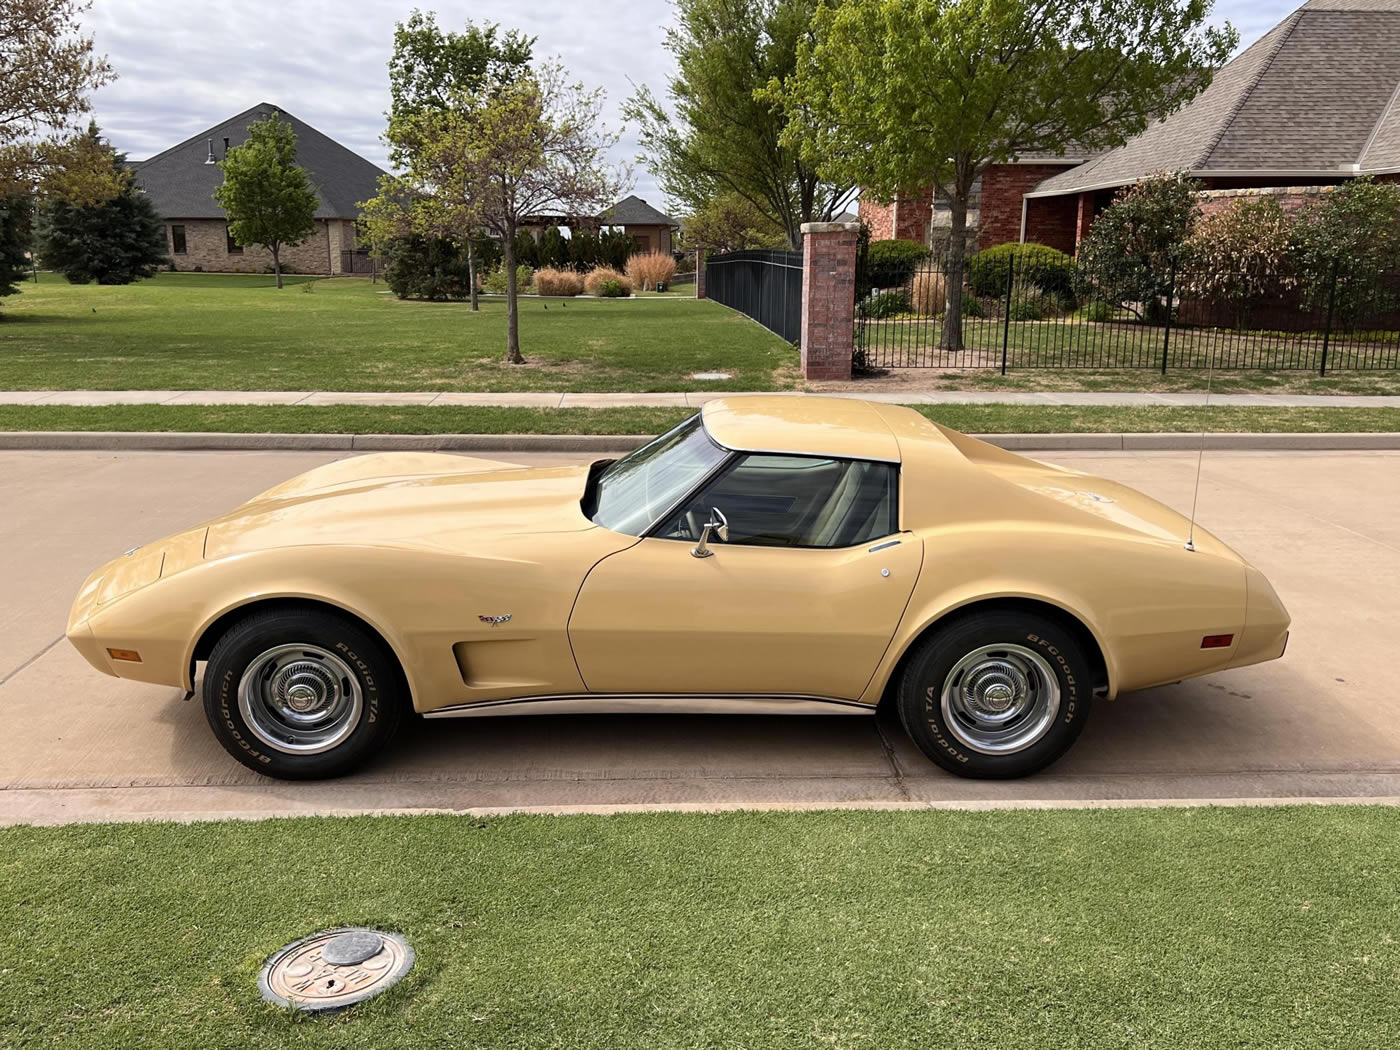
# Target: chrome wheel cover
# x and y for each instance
(300, 699)
(1000, 699)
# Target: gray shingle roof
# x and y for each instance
(181, 185)
(1316, 94)
(633, 211)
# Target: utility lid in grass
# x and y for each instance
(711, 375)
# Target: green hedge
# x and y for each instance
(1044, 267)
(891, 264)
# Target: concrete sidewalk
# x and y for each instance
(692, 399)
(1317, 725)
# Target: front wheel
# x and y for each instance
(302, 695)
(996, 694)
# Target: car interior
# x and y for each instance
(794, 501)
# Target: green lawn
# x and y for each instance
(1174, 928)
(420, 419)
(185, 331)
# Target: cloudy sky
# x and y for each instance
(187, 64)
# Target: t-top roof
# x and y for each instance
(181, 183)
(1317, 95)
(806, 425)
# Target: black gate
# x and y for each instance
(764, 285)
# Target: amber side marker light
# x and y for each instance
(1217, 641)
(130, 655)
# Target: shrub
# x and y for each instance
(972, 307)
(1047, 269)
(1354, 234)
(930, 294)
(885, 304)
(495, 281)
(1239, 257)
(594, 280)
(1097, 311)
(612, 289)
(425, 268)
(648, 269)
(1134, 247)
(1030, 303)
(891, 264)
(550, 281)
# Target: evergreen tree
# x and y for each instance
(116, 242)
(14, 240)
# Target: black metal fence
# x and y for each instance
(765, 285)
(1026, 314)
(359, 261)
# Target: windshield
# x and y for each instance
(639, 488)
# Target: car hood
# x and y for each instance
(422, 500)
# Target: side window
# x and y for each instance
(795, 501)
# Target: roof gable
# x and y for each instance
(633, 211)
(1313, 95)
(181, 183)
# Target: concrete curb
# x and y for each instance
(150, 441)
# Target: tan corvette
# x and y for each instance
(770, 553)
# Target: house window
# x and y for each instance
(234, 248)
(177, 240)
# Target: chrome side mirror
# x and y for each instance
(720, 524)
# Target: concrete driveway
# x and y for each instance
(1322, 723)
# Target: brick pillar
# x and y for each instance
(700, 271)
(828, 298)
(1084, 218)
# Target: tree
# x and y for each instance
(15, 212)
(430, 72)
(1134, 250)
(723, 139)
(534, 146)
(47, 72)
(267, 195)
(895, 94)
(1351, 236)
(728, 222)
(116, 241)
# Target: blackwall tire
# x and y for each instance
(996, 694)
(302, 694)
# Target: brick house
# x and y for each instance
(181, 182)
(1313, 102)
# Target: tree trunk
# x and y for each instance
(277, 263)
(471, 268)
(512, 314)
(952, 335)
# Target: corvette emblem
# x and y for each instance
(493, 620)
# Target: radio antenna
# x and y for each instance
(1201, 453)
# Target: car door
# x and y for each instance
(801, 599)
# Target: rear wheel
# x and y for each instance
(996, 694)
(301, 695)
